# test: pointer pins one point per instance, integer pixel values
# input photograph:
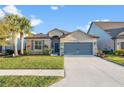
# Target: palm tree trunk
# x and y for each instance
(22, 43)
(15, 45)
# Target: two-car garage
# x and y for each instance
(78, 48)
(78, 43)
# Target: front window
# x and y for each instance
(37, 44)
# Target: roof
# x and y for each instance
(65, 32)
(78, 30)
(109, 25)
(45, 36)
(114, 32)
(112, 28)
(38, 36)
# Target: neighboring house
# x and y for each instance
(63, 43)
(10, 46)
(111, 34)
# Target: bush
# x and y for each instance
(9, 52)
(108, 52)
(46, 51)
(119, 52)
(27, 52)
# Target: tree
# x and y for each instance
(25, 27)
(4, 33)
(13, 22)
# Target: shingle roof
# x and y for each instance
(78, 30)
(38, 36)
(109, 25)
(65, 32)
(112, 28)
(114, 32)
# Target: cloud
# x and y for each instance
(2, 14)
(104, 20)
(55, 7)
(86, 27)
(35, 21)
(11, 9)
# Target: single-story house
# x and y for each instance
(111, 34)
(63, 42)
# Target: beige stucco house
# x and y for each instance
(63, 43)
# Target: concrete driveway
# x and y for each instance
(91, 71)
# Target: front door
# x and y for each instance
(57, 48)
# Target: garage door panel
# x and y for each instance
(78, 48)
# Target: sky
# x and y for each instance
(69, 18)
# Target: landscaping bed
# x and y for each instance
(116, 59)
(28, 81)
(32, 62)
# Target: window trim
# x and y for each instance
(41, 45)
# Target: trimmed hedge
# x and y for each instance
(119, 52)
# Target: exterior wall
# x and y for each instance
(104, 42)
(55, 33)
(118, 43)
(78, 37)
(37, 51)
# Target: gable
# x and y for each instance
(78, 36)
(56, 32)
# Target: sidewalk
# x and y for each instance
(31, 72)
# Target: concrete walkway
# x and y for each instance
(91, 72)
(27, 72)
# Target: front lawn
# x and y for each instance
(115, 59)
(32, 62)
(27, 81)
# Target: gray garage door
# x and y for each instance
(78, 49)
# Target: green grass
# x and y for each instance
(27, 81)
(116, 59)
(32, 62)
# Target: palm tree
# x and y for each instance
(14, 27)
(25, 27)
(4, 33)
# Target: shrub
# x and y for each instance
(119, 52)
(27, 52)
(108, 51)
(47, 51)
(9, 52)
